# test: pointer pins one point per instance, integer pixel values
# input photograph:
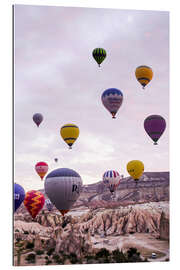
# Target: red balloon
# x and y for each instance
(41, 169)
(34, 202)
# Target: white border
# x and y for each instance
(6, 120)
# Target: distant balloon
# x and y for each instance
(99, 55)
(155, 125)
(63, 187)
(34, 202)
(41, 169)
(111, 179)
(144, 75)
(69, 133)
(37, 118)
(19, 195)
(135, 168)
(112, 99)
(56, 159)
(49, 204)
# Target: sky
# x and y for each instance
(56, 75)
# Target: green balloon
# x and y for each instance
(99, 55)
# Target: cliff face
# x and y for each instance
(142, 218)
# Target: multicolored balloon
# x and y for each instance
(19, 195)
(111, 179)
(69, 133)
(63, 187)
(144, 75)
(41, 169)
(34, 202)
(49, 204)
(37, 118)
(112, 99)
(155, 125)
(99, 55)
(135, 168)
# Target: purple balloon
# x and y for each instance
(154, 125)
(37, 118)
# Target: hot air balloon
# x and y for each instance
(144, 75)
(34, 202)
(37, 118)
(56, 159)
(41, 169)
(111, 179)
(154, 125)
(112, 99)
(49, 204)
(69, 133)
(99, 55)
(63, 187)
(135, 168)
(19, 195)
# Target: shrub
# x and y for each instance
(50, 251)
(40, 252)
(29, 245)
(102, 253)
(31, 258)
(73, 258)
(118, 256)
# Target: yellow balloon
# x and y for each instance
(135, 168)
(69, 133)
(144, 75)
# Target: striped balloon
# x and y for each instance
(99, 55)
(69, 133)
(34, 202)
(111, 179)
(144, 75)
(112, 99)
(41, 169)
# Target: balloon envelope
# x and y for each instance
(99, 55)
(19, 195)
(154, 125)
(49, 204)
(135, 168)
(111, 179)
(63, 187)
(56, 159)
(112, 99)
(34, 202)
(69, 133)
(37, 118)
(41, 169)
(144, 75)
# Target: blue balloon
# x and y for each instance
(19, 195)
(112, 99)
(49, 205)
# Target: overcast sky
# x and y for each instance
(56, 75)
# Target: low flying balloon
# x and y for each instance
(111, 179)
(56, 159)
(63, 187)
(69, 133)
(34, 202)
(144, 75)
(37, 118)
(154, 125)
(135, 168)
(19, 195)
(99, 55)
(112, 99)
(49, 204)
(41, 169)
